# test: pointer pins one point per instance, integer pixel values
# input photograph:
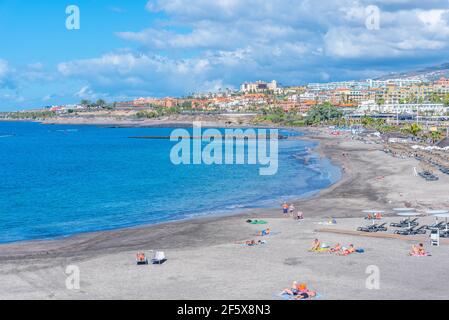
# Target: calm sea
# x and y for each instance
(60, 180)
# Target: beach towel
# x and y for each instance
(257, 222)
(328, 223)
(267, 235)
(419, 255)
(320, 250)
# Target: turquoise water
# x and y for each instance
(60, 180)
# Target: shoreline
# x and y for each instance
(222, 215)
(206, 250)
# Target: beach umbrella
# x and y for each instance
(436, 212)
(373, 212)
(404, 209)
(409, 215)
(442, 214)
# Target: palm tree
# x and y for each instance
(436, 136)
(414, 129)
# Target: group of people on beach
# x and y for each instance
(288, 210)
(337, 249)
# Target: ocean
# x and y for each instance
(60, 180)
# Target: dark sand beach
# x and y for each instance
(205, 262)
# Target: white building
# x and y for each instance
(405, 108)
(259, 86)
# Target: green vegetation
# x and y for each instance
(32, 115)
(99, 104)
(157, 112)
(413, 129)
(323, 113)
(276, 115)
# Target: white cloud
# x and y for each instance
(3, 68)
(207, 45)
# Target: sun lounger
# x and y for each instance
(159, 258)
(411, 231)
(444, 234)
(420, 230)
(405, 223)
(406, 231)
(373, 228)
(438, 225)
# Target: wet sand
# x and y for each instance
(205, 262)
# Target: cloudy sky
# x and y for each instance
(127, 49)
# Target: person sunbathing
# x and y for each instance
(347, 251)
(306, 295)
(418, 251)
(337, 248)
(299, 291)
(421, 250)
(316, 245)
(265, 232)
(250, 242)
(296, 288)
(141, 257)
(415, 251)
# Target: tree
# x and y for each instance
(414, 129)
(323, 112)
(436, 136)
(85, 102)
(100, 103)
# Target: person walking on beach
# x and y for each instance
(291, 209)
(285, 208)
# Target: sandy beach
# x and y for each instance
(205, 262)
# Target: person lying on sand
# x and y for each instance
(306, 295)
(251, 243)
(299, 291)
(264, 233)
(337, 248)
(295, 289)
(347, 251)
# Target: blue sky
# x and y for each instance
(127, 49)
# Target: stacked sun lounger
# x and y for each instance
(428, 176)
(410, 227)
(373, 228)
(405, 223)
(444, 169)
(412, 231)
